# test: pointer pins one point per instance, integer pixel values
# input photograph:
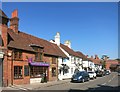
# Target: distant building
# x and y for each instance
(111, 64)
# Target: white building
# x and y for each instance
(68, 66)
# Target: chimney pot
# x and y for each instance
(15, 13)
(14, 21)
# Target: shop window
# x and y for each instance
(36, 71)
(26, 70)
(53, 60)
(17, 55)
(53, 72)
(17, 72)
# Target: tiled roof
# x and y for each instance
(68, 50)
(81, 55)
(95, 61)
(3, 14)
(22, 41)
(112, 61)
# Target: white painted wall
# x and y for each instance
(35, 80)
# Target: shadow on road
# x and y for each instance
(101, 88)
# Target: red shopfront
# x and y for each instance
(38, 70)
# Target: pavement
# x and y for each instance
(35, 86)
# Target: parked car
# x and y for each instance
(99, 73)
(80, 76)
(92, 74)
(118, 73)
(107, 72)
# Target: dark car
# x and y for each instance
(99, 73)
(119, 73)
(80, 76)
(107, 72)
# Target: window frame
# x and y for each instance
(54, 60)
(18, 72)
(37, 71)
(28, 70)
(54, 74)
(18, 55)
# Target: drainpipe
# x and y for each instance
(1, 56)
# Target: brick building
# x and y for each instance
(26, 57)
(111, 65)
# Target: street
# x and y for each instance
(108, 82)
(105, 83)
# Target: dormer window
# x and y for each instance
(17, 55)
(38, 51)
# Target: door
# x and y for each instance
(1, 72)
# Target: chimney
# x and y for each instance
(14, 21)
(57, 39)
(68, 43)
(91, 57)
(96, 57)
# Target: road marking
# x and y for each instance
(109, 81)
(113, 77)
(104, 84)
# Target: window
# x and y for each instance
(26, 70)
(38, 56)
(37, 71)
(17, 72)
(53, 72)
(53, 60)
(17, 55)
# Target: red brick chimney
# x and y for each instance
(96, 57)
(14, 21)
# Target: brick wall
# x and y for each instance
(109, 62)
(51, 78)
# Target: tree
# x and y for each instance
(104, 58)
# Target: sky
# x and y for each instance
(92, 27)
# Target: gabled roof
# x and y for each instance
(3, 14)
(95, 61)
(81, 55)
(69, 51)
(23, 41)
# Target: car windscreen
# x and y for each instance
(78, 74)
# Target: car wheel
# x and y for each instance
(83, 80)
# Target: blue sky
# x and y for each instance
(91, 27)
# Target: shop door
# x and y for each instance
(1, 72)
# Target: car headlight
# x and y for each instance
(79, 77)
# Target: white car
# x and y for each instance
(92, 74)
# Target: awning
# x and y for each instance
(37, 63)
